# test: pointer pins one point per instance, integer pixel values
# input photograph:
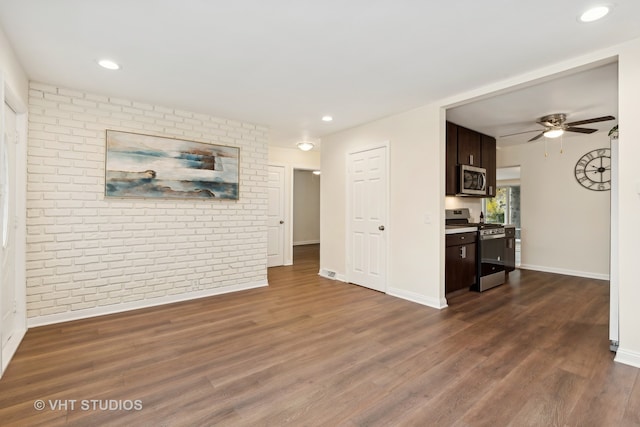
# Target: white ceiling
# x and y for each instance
(286, 63)
(582, 95)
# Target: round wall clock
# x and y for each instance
(593, 170)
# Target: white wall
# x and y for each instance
(294, 157)
(416, 183)
(291, 159)
(306, 207)
(565, 227)
(629, 203)
(472, 203)
(89, 255)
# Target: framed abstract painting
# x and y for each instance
(146, 166)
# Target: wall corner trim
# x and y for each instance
(135, 305)
(627, 357)
(418, 298)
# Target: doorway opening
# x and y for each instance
(306, 214)
(504, 208)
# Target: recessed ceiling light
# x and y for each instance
(305, 145)
(327, 118)
(108, 64)
(594, 14)
(317, 172)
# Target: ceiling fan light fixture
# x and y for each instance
(553, 133)
(594, 14)
(305, 145)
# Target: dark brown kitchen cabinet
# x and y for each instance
(510, 248)
(460, 261)
(452, 160)
(469, 147)
(489, 163)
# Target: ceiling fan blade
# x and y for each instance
(519, 133)
(580, 130)
(594, 120)
(536, 137)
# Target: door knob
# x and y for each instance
(281, 222)
(381, 228)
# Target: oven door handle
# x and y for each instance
(492, 236)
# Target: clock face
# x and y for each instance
(593, 170)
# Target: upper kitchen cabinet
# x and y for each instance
(468, 147)
(452, 160)
(489, 163)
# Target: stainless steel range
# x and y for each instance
(490, 249)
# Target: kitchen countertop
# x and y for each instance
(454, 229)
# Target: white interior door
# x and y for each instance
(367, 218)
(8, 305)
(275, 217)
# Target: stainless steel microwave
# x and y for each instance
(473, 181)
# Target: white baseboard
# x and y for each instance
(627, 357)
(417, 298)
(134, 305)
(11, 347)
(306, 242)
(586, 274)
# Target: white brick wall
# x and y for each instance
(85, 252)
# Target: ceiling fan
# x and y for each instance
(555, 125)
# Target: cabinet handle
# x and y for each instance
(471, 159)
(463, 251)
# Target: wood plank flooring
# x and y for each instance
(308, 351)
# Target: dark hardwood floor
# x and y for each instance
(308, 351)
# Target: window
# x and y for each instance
(504, 208)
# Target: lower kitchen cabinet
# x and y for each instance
(460, 261)
(510, 249)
